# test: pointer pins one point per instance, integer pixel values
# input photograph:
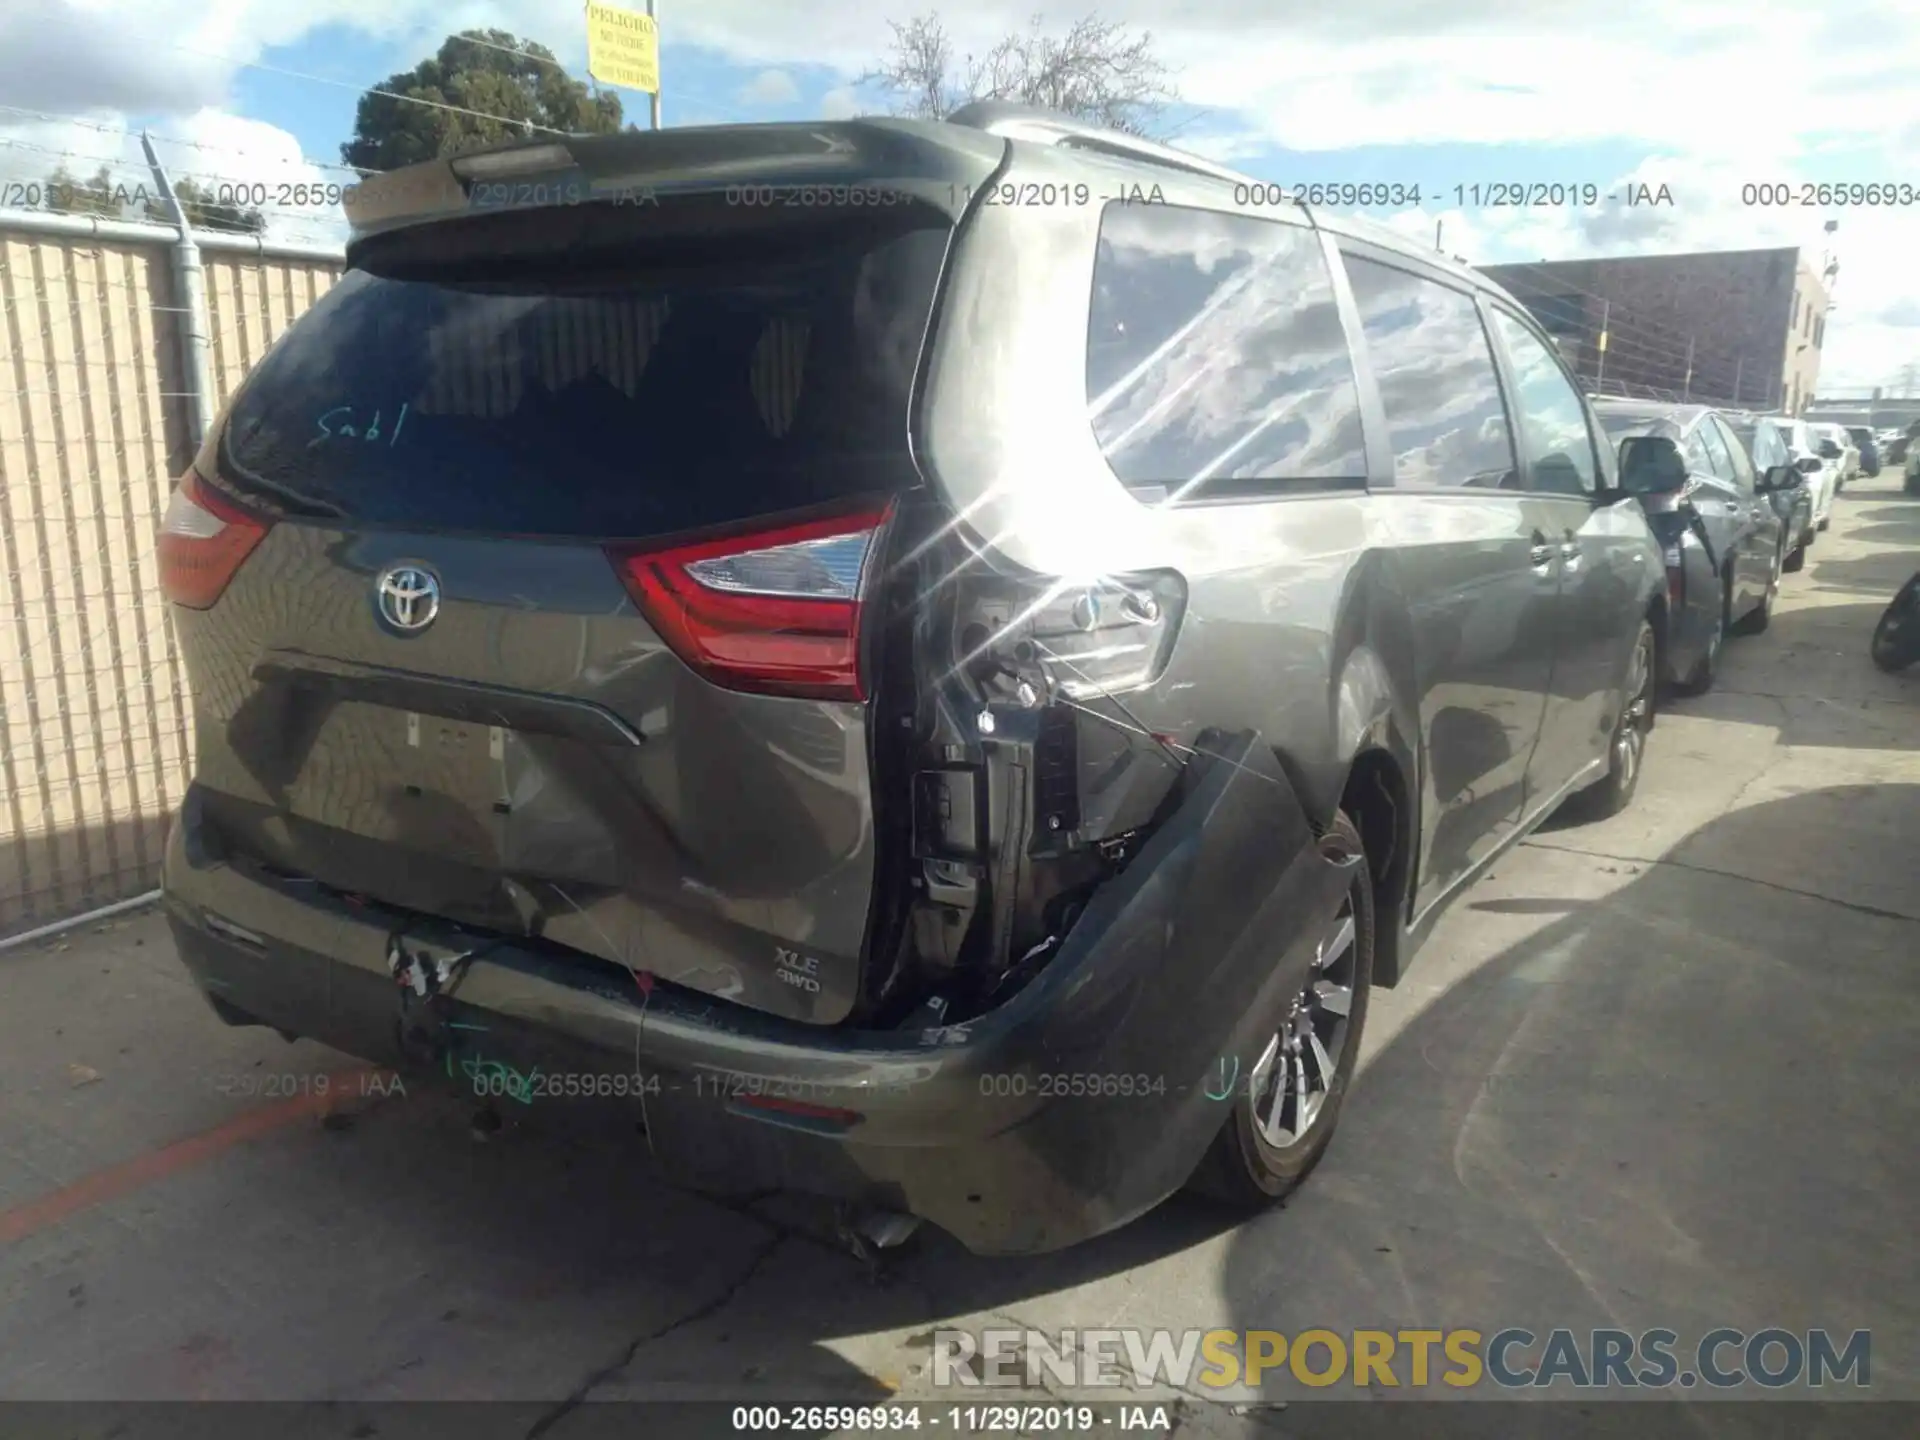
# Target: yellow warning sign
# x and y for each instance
(623, 47)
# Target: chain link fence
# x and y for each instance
(96, 421)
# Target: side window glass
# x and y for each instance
(1429, 353)
(1762, 444)
(1216, 361)
(1717, 456)
(1736, 452)
(1559, 446)
(1699, 462)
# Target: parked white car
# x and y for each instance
(1847, 460)
(1822, 472)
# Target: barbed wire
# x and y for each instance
(1561, 286)
(205, 146)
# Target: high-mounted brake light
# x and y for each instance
(776, 611)
(525, 161)
(204, 539)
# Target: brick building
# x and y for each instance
(1733, 326)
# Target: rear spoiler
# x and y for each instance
(867, 162)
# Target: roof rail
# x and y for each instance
(1013, 121)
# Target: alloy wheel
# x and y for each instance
(1630, 742)
(1295, 1074)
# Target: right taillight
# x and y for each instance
(776, 611)
(204, 539)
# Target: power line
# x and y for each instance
(364, 89)
(701, 102)
(375, 90)
(201, 145)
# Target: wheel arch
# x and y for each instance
(1379, 797)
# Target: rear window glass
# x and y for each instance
(564, 400)
(1216, 362)
(1621, 423)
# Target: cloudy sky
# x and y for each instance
(1701, 95)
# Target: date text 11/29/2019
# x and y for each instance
(1147, 1419)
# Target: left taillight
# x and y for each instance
(776, 611)
(204, 539)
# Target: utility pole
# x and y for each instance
(196, 345)
(1600, 364)
(654, 99)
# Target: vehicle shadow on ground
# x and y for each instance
(1877, 574)
(1686, 1104)
(1903, 531)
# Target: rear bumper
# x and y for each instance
(1693, 608)
(1014, 1131)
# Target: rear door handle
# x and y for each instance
(1542, 551)
(1570, 551)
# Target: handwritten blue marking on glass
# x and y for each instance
(1226, 1078)
(347, 430)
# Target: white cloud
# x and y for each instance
(840, 104)
(1722, 92)
(768, 88)
(1224, 147)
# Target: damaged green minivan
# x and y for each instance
(938, 662)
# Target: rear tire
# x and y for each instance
(1797, 560)
(1245, 1167)
(1896, 639)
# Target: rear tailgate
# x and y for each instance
(556, 627)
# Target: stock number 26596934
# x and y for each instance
(1053, 1086)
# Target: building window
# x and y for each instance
(1819, 331)
(1794, 324)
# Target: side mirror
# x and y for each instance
(1779, 477)
(1651, 465)
(1808, 464)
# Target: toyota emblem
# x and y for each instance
(407, 597)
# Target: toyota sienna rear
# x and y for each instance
(720, 620)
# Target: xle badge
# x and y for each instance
(800, 971)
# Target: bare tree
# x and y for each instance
(1096, 71)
